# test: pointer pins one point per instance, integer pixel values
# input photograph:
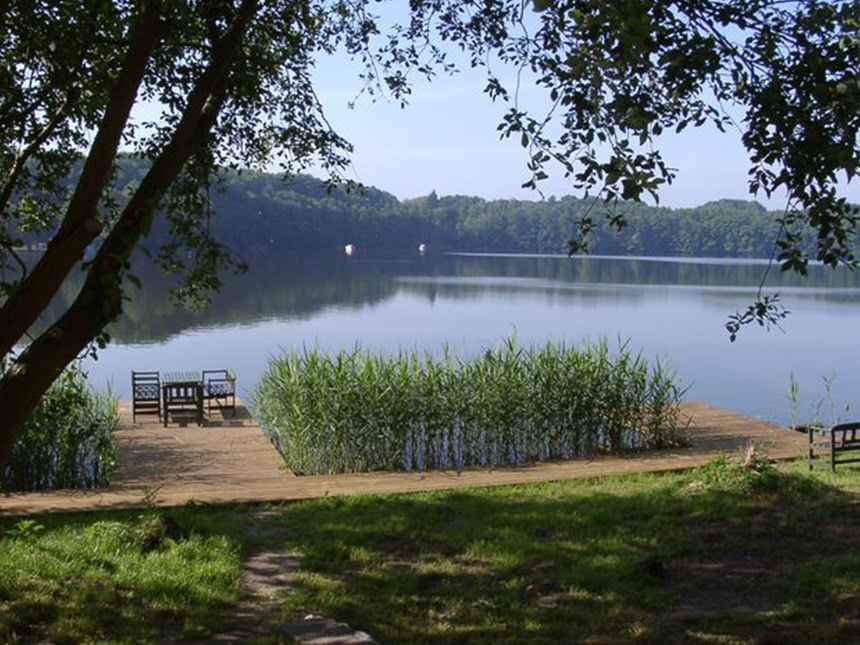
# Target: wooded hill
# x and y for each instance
(254, 212)
(261, 210)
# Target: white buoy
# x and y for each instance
(349, 249)
(422, 248)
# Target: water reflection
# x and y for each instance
(301, 287)
(672, 310)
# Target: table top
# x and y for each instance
(176, 378)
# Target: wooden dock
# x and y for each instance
(229, 460)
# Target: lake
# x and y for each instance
(672, 309)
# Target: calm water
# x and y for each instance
(671, 309)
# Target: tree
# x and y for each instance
(234, 80)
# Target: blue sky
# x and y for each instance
(446, 140)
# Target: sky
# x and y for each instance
(446, 140)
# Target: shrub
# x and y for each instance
(68, 440)
(359, 411)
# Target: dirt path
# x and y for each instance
(255, 616)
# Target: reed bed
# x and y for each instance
(68, 440)
(359, 411)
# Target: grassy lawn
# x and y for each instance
(110, 578)
(715, 555)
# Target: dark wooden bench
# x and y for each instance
(836, 440)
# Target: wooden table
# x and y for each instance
(182, 392)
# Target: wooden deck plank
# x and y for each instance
(231, 461)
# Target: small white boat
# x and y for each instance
(349, 249)
(422, 248)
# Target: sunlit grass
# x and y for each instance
(92, 578)
(359, 411)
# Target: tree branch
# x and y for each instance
(30, 149)
(65, 85)
(81, 225)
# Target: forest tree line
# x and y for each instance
(258, 212)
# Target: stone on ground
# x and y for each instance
(319, 630)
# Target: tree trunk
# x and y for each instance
(80, 225)
(43, 361)
(100, 299)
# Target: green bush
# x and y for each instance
(67, 442)
(359, 411)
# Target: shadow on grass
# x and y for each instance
(682, 558)
(714, 555)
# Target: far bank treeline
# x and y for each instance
(261, 210)
(256, 212)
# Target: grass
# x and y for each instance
(715, 555)
(357, 411)
(110, 578)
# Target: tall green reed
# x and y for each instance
(68, 440)
(359, 411)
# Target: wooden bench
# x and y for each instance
(837, 439)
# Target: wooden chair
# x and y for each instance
(220, 386)
(145, 394)
(838, 439)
